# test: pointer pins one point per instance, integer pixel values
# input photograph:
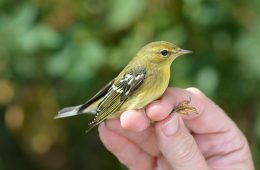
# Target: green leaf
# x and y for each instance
(91, 56)
(38, 37)
(123, 13)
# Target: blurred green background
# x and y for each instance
(59, 53)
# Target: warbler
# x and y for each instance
(143, 80)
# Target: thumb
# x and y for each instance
(178, 146)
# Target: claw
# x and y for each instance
(184, 108)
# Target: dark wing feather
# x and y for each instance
(118, 93)
(98, 96)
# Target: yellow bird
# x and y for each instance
(142, 81)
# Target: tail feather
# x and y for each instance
(73, 111)
(68, 111)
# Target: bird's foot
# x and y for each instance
(184, 108)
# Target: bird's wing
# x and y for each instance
(118, 93)
(96, 97)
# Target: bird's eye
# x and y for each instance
(164, 52)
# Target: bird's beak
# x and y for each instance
(182, 51)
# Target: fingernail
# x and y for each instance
(171, 126)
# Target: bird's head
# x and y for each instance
(160, 52)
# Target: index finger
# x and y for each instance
(210, 119)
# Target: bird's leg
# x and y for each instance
(184, 108)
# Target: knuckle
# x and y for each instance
(195, 90)
(198, 98)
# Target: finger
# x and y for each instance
(128, 153)
(163, 164)
(134, 120)
(144, 139)
(210, 117)
(160, 109)
(217, 134)
(177, 145)
(219, 143)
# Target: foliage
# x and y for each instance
(59, 53)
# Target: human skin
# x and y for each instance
(206, 140)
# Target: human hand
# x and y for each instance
(208, 140)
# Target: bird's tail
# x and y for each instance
(73, 111)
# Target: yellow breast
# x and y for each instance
(152, 88)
